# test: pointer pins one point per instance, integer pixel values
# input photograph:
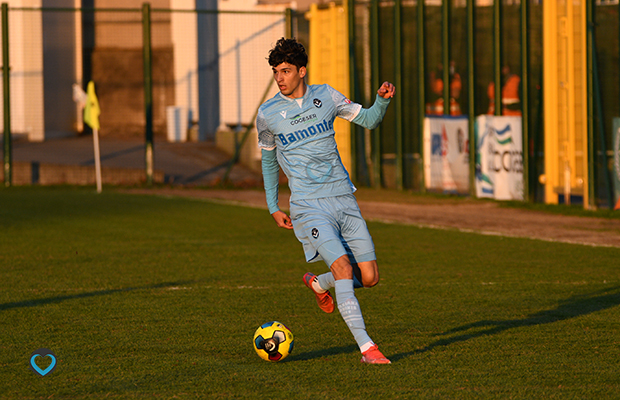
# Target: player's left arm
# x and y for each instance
(371, 117)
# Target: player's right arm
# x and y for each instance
(271, 177)
(282, 219)
(271, 172)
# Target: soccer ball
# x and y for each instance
(273, 341)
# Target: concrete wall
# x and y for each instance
(26, 61)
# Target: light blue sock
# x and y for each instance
(350, 311)
(326, 281)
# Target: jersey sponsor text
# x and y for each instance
(300, 134)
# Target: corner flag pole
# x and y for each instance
(91, 118)
(97, 159)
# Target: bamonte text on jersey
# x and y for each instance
(292, 137)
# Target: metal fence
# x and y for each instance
(412, 42)
(153, 69)
(201, 65)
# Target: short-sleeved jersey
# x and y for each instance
(302, 131)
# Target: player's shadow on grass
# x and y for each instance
(96, 293)
(332, 351)
(573, 307)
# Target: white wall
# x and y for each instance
(245, 40)
(185, 43)
(243, 43)
(26, 62)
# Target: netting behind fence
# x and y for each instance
(607, 62)
(207, 68)
(209, 72)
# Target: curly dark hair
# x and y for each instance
(289, 51)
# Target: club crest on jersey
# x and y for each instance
(315, 233)
(317, 103)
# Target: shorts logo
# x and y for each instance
(315, 233)
(317, 103)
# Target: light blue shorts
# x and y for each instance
(331, 227)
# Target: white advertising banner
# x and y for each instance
(446, 154)
(499, 157)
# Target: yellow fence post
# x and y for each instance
(329, 62)
(565, 99)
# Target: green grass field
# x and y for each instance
(146, 296)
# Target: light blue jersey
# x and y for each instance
(302, 130)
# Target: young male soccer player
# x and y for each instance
(296, 133)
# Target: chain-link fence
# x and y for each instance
(440, 37)
(606, 95)
(207, 73)
(424, 51)
(203, 66)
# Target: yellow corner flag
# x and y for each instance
(91, 110)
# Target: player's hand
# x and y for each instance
(386, 90)
(283, 220)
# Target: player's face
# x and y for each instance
(290, 80)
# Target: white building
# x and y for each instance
(210, 65)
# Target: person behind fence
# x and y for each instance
(296, 133)
(511, 86)
(435, 105)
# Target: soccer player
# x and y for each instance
(296, 133)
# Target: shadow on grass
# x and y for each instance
(97, 293)
(332, 351)
(573, 307)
